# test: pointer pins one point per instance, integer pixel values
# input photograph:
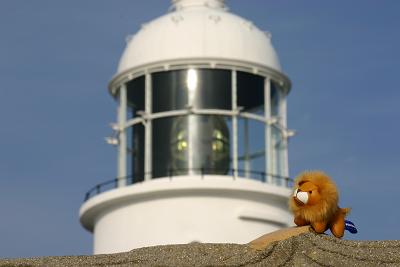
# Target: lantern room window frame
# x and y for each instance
(274, 123)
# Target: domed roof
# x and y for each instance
(199, 29)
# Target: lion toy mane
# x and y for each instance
(315, 202)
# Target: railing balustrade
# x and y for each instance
(254, 175)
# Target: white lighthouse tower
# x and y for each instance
(201, 135)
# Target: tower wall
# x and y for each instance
(210, 209)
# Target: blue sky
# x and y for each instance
(56, 58)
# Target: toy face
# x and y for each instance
(306, 194)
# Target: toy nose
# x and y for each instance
(302, 196)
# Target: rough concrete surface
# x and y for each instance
(307, 249)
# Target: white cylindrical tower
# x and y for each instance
(201, 135)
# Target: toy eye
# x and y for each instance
(310, 192)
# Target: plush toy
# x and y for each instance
(315, 202)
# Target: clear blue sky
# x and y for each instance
(56, 58)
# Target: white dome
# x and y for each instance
(199, 29)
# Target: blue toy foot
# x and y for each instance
(349, 226)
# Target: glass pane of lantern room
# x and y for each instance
(136, 101)
(193, 144)
(199, 88)
(169, 91)
(135, 93)
(251, 146)
(137, 153)
(213, 89)
(250, 92)
(251, 137)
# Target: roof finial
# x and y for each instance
(182, 4)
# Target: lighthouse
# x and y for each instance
(201, 135)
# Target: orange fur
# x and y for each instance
(321, 211)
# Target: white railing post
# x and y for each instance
(246, 148)
(285, 156)
(122, 141)
(148, 129)
(268, 130)
(234, 124)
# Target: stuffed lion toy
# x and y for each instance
(315, 202)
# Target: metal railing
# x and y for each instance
(253, 175)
